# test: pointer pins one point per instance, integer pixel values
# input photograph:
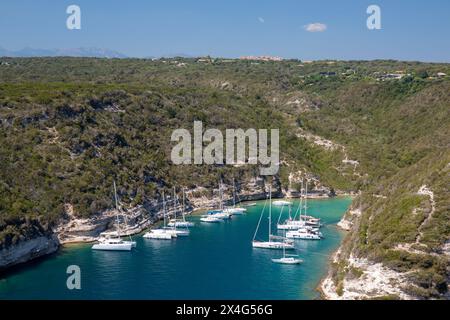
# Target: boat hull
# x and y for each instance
(112, 247)
(272, 245)
(181, 224)
(287, 261)
(158, 235)
(211, 220)
(288, 226)
(302, 236)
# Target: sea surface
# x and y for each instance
(216, 261)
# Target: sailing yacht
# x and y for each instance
(288, 224)
(288, 259)
(220, 213)
(162, 233)
(308, 229)
(210, 218)
(303, 234)
(158, 234)
(281, 203)
(180, 223)
(308, 223)
(235, 210)
(285, 245)
(113, 241)
(172, 231)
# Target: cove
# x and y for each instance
(215, 262)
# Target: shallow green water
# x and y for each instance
(215, 262)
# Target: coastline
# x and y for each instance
(240, 228)
(87, 230)
(200, 210)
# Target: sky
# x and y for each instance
(303, 29)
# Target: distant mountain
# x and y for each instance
(177, 55)
(71, 52)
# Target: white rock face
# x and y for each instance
(376, 280)
(28, 250)
(346, 221)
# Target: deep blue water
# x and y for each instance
(215, 262)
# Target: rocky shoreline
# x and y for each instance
(364, 279)
(28, 250)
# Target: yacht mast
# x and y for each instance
(234, 194)
(270, 211)
(183, 212)
(164, 209)
(175, 206)
(306, 196)
(220, 195)
(117, 208)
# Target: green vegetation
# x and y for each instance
(69, 126)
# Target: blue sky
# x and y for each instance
(411, 30)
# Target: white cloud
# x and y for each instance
(316, 27)
(260, 19)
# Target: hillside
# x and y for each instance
(70, 126)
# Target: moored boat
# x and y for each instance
(283, 244)
(210, 219)
(111, 241)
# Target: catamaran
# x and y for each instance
(113, 241)
(285, 245)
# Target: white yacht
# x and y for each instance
(288, 225)
(219, 214)
(304, 221)
(303, 235)
(112, 244)
(288, 259)
(115, 235)
(281, 203)
(112, 241)
(272, 245)
(159, 234)
(284, 245)
(235, 210)
(181, 223)
(168, 232)
(210, 219)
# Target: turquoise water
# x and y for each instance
(215, 262)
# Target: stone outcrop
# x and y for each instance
(27, 250)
